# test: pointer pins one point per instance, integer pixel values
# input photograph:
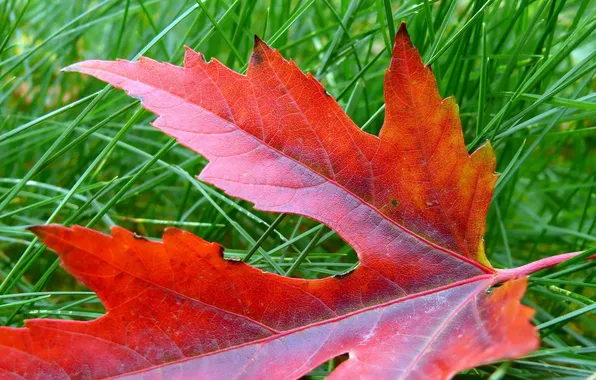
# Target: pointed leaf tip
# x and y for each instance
(37, 230)
(258, 41)
(260, 44)
(42, 230)
(259, 49)
(403, 28)
(403, 35)
(191, 57)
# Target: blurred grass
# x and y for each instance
(73, 151)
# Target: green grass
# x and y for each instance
(74, 152)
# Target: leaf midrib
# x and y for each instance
(282, 334)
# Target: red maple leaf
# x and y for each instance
(412, 202)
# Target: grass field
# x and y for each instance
(73, 151)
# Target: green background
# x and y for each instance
(73, 151)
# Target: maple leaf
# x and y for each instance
(412, 202)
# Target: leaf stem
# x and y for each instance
(525, 270)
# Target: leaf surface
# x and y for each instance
(412, 202)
